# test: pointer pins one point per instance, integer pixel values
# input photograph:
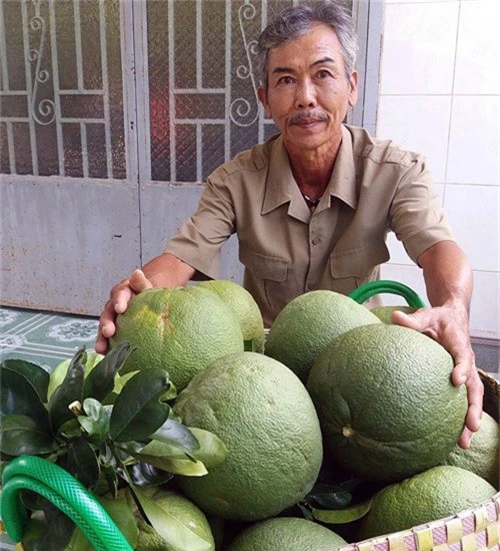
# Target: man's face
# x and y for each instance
(308, 93)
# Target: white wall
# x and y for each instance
(440, 96)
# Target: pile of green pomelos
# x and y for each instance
(201, 430)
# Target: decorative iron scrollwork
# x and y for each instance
(44, 111)
(244, 112)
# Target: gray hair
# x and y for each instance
(296, 22)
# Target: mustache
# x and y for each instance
(307, 116)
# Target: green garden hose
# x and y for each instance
(65, 492)
(367, 290)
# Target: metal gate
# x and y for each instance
(112, 115)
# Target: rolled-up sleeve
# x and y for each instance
(199, 240)
(416, 216)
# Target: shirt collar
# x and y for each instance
(281, 186)
(343, 179)
(280, 183)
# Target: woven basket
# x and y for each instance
(477, 528)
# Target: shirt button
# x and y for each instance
(315, 240)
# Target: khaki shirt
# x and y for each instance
(375, 187)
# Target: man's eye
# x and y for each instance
(285, 80)
(323, 74)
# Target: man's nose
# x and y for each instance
(305, 95)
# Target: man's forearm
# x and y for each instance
(447, 274)
(167, 270)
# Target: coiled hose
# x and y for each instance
(62, 490)
(367, 290)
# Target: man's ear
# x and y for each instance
(262, 95)
(353, 89)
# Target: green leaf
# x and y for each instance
(19, 397)
(96, 422)
(121, 513)
(82, 463)
(33, 373)
(171, 393)
(35, 530)
(176, 532)
(339, 499)
(119, 510)
(52, 530)
(138, 410)
(249, 346)
(306, 512)
(59, 372)
(101, 380)
(70, 429)
(23, 435)
(212, 450)
(144, 474)
(338, 495)
(111, 479)
(68, 391)
(156, 454)
(79, 542)
(342, 516)
(178, 436)
(122, 380)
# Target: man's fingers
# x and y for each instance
(475, 391)
(451, 336)
(473, 419)
(121, 302)
(418, 320)
(117, 304)
(459, 374)
(101, 344)
(120, 296)
(139, 282)
(108, 329)
(465, 438)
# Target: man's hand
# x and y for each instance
(119, 298)
(449, 326)
(165, 270)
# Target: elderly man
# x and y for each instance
(313, 205)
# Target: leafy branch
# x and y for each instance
(108, 430)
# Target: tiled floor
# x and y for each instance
(42, 337)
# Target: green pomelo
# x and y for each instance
(183, 521)
(384, 313)
(483, 455)
(434, 494)
(182, 526)
(244, 308)
(181, 330)
(386, 403)
(266, 419)
(308, 323)
(286, 534)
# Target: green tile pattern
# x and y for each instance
(42, 337)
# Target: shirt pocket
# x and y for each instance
(263, 266)
(351, 268)
(268, 281)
